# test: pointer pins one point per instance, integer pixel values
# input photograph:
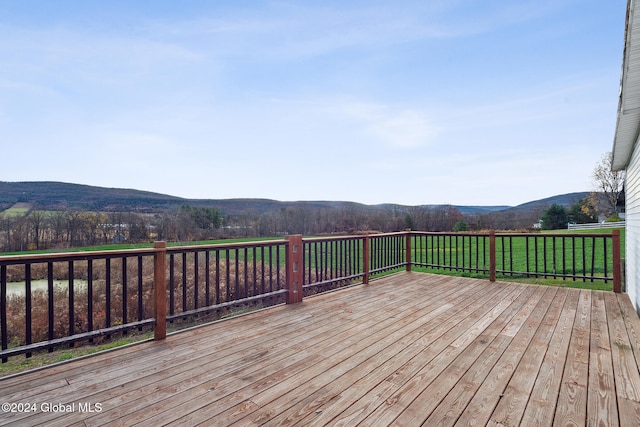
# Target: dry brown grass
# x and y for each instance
(184, 293)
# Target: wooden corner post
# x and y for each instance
(492, 255)
(294, 268)
(160, 290)
(365, 259)
(617, 267)
(408, 249)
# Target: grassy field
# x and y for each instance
(522, 258)
(17, 210)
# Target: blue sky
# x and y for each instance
(413, 102)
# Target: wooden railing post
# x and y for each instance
(365, 259)
(408, 249)
(160, 290)
(294, 268)
(492, 255)
(617, 272)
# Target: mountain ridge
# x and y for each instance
(54, 195)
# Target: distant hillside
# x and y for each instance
(565, 200)
(481, 209)
(48, 195)
(59, 195)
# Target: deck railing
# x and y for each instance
(73, 297)
(585, 257)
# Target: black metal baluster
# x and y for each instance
(604, 249)
(27, 296)
(535, 248)
(544, 255)
(140, 291)
(477, 239)
(196, 274)
(573, 256)
(71, 307)
(278, 248)
(555, 264)
(172, 284)
(108, 293)
(564, 258)
(89, 296)
(50, 303)
(236, 254)
(584, 260)
(4, 336)
(255, 271)
(124, 292)
(262, 269)
(526, 240)
(271, 268)
(245, 273)
(207, 278)
(227, 276)
(504, 252)
(593, 257)
(184, 282)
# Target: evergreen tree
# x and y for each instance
(461, 226)
(582, 212)
(555, 218)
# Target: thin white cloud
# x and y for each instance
(394, 127)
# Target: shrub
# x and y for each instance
(614, 217)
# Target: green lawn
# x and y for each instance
(17, 210)
(542, 259)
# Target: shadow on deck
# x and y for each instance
(407, 349)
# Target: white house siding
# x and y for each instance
(632, 192)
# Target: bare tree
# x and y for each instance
(58, 220)
(74, 222)
(37, 220)
(607, 184)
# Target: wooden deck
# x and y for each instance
(409, 349)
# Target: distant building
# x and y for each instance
(626, 150)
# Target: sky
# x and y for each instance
(463, 102)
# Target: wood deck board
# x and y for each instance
(513, 401)
(572, 400)
(542, 402)
(408, 349)
(601, 409)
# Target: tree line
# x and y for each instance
(76, 228)
(40, 229)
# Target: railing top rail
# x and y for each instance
(332, 238)
(235, 245)
(80, 255)
(554, 234)
(450, 233)
(395, 233)
(116, 253)
(509, 234)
